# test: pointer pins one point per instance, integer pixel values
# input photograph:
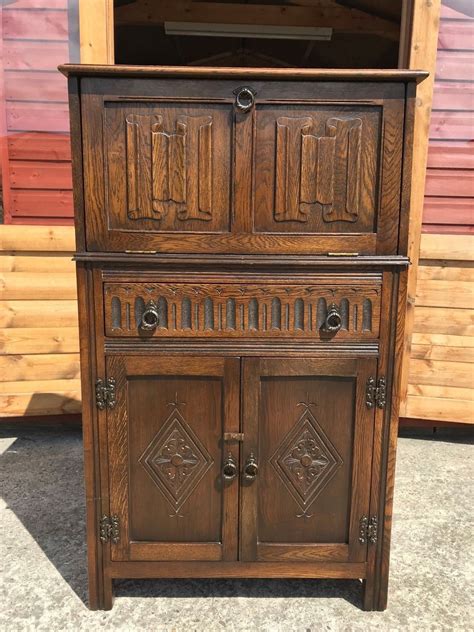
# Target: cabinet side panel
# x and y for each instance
(90, 434)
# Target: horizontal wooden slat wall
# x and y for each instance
(35, 157)
(39, 344)
(441, 367)
(439, 376)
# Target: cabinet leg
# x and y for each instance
(375, 593)
(108, 594)
(101, 595)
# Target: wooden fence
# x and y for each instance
(441, 365)
(39, 345)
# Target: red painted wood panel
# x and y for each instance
(39, 146)
(443, 229)
(25, 85)
(447, 210)
(39, 4)
(37, 117)
(453, 154)
(39, 221)
(29, 25)
(455, 66)
(449, 182)
(37, 152)
(452, 125)
(40, 175)
(455, 12)
(453, 96)
(32, 203)
(26, 55)
(449, 205)
(455, 36)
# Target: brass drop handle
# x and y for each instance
(251, 468)
(149, 320)
(333, 321)
(229, 469)
(244, 98)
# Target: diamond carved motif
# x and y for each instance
(176, 460)
(306, 460)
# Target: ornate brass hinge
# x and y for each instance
(105, 393)
(368, 530)
(109, 529)
(375, 392)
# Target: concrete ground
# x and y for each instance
(43, 570)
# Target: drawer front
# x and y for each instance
(310, 167)
(311, 308)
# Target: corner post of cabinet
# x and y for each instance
(100, 589)
(385, 440)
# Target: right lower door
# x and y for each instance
(307, 457)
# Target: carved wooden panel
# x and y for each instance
(306, 424)
(168, 167)
(166, 450)
(305, 459)
(223, 310)
(175, 459)
(317, 170)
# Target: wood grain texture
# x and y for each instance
(447, 247)
(27, 340)
(422, 53)
(96, 27)
(39, 362)
(42, 403)
(49, 366)
(240, 570)
(440, 408)
(29, 314)
(37, 239)
(42, 285)
(218, 72)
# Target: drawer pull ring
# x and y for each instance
(149, 319)
(333, 321)
(229, 470)
(251, 468)
(244, 98)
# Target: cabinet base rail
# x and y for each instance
(230, 570)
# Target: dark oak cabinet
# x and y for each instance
(241, 258)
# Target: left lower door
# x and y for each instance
(166, 451)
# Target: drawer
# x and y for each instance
(314, 307)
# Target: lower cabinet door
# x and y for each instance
(166, 454)
(306, 459)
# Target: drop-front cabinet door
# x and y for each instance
(218, 166)
(166, 457)
(306, 459)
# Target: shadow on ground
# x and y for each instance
(42, 474)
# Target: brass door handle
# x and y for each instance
(333, 321)
(251, 468)
(229, 469)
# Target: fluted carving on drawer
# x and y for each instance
(233, 310)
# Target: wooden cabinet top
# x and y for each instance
(243, 161)
(281, 74)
